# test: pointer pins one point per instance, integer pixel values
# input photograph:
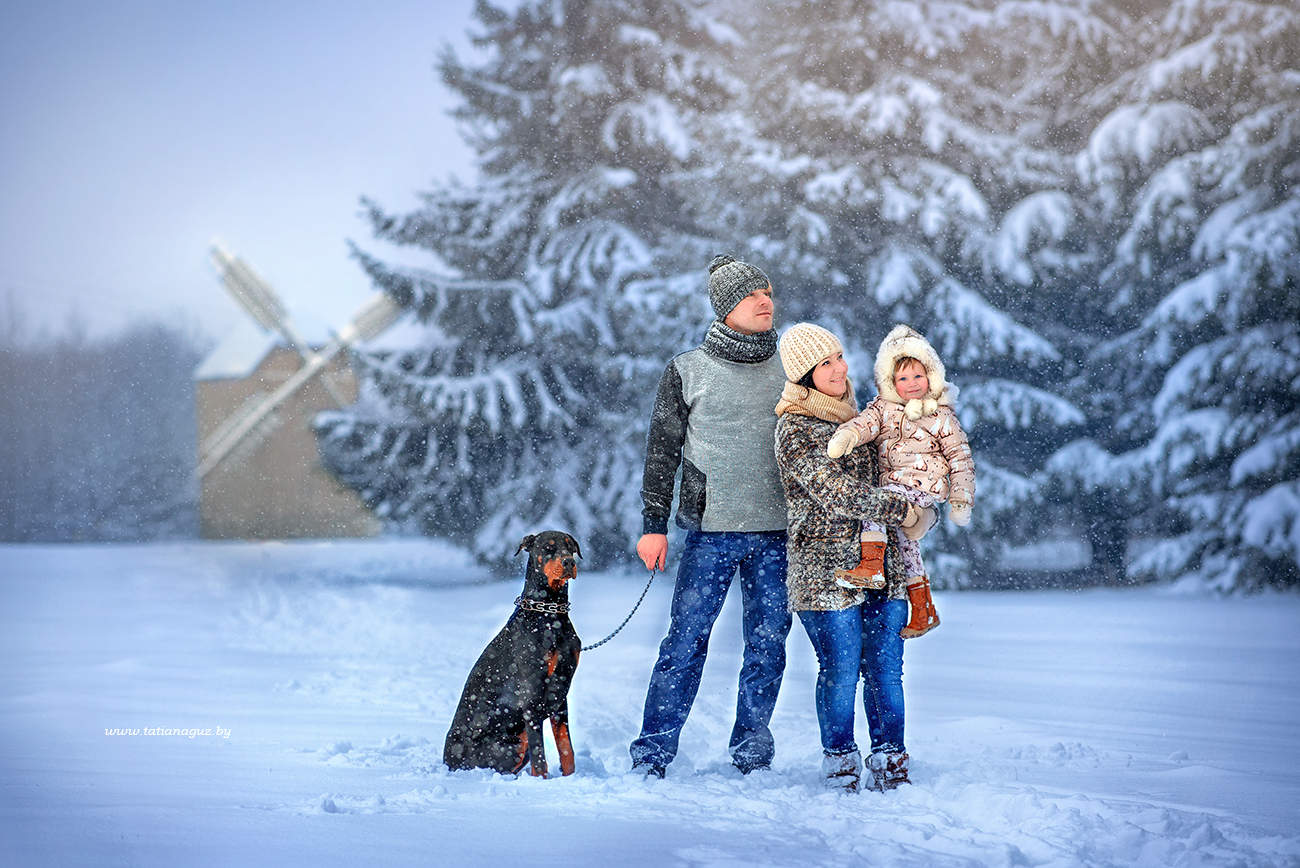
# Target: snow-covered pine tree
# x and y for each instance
(902, 155)
(559, 281)
(1198, 360)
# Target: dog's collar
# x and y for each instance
(541, 606)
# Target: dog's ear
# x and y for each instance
(526, 543)
(576, 549)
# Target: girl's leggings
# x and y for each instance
(909, 549)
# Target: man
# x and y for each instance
(714, 417)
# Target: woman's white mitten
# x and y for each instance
(919, 521)
(959, 512)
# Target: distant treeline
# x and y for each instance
(97, 433)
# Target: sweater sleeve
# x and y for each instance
(865, 425)
(801, 453)
(961, 463)
(663, 452)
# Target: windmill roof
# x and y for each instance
(244, 347)
(237, 354)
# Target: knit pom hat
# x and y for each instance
(730, 280)
(804, 345)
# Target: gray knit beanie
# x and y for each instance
(730, 281)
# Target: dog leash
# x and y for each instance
(629, 615)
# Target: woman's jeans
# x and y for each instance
(861, 641)
(710, 560)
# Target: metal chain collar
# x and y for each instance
(541, 606)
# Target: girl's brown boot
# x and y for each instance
(870, 571)
(924, 617)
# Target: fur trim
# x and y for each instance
(904, 341)
(917, 407)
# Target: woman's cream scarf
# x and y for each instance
(810, 402)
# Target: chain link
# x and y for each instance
(644, 591)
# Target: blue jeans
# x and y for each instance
(710, 560)
(861, 641)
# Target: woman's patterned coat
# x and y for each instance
(826, 500)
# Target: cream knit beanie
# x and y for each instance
(804, 345)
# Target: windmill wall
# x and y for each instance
(273, 485)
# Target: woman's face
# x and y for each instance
(831, 375)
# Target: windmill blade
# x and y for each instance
(263, 304)
(375, 316)
(229, 435)
(254, 295)
(371, 319)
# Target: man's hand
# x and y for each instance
(652, 549)
(842, 442)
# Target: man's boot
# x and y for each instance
(924, 617)
(870, 571)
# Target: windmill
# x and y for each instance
(268, 311)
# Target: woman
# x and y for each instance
(854, 631)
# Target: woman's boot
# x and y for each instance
(924, 617)
(841, 771)
(888, 769)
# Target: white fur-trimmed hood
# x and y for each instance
(905, 341)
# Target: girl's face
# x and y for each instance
(911, 382)
(831, 376)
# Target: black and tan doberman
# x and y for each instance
(523, 676)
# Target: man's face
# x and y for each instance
(754, 313)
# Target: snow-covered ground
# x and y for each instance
(292, 699)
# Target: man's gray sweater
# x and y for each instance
(715, 417)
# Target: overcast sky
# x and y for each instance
(133, 133)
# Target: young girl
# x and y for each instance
(923, 455)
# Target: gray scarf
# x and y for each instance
(726, 343)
